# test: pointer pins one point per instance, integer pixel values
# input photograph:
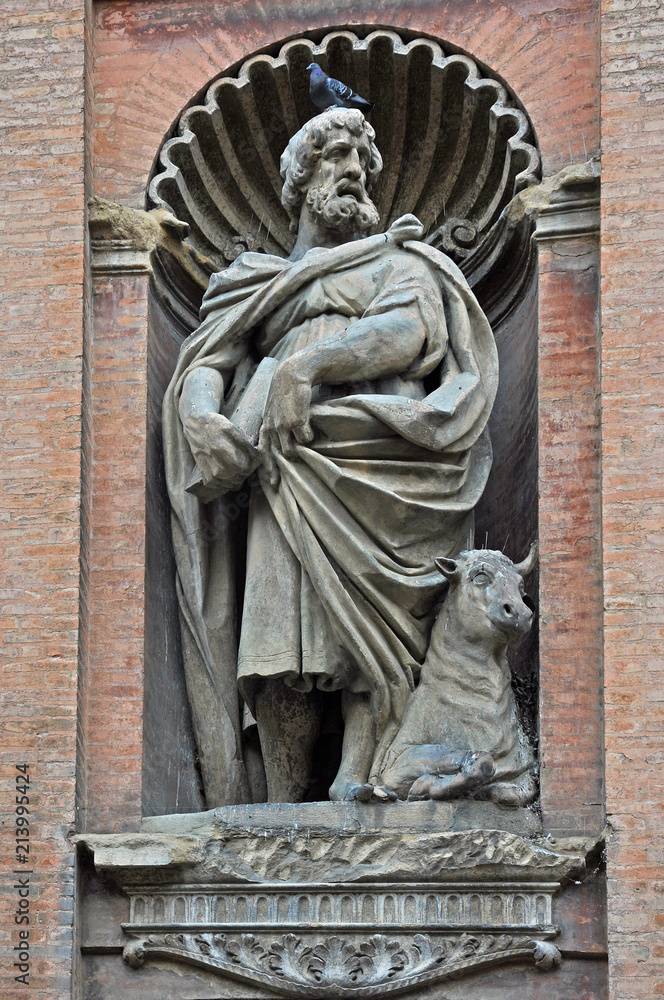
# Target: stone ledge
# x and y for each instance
(290, 856)
(347, 818)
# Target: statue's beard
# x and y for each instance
(341, 211)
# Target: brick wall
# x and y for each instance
(41, 284)
(633, 481)
(151, 58)
(145, 73)
(570, 597)
(111, 688)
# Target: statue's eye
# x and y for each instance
(481, 579)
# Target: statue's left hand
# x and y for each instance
(286, 420)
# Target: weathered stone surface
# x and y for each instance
(139, 850)
(575, 979)
(365, 471)
(125, 239)
(461, 734)
(309, 966)
(255, 852)
(350, 817)
(310, 913)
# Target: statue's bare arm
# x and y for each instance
(221, 451)
(202, 392)
(200, 402)
(373, 347)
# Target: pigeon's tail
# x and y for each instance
(361, 105)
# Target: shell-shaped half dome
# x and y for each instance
(455, 145)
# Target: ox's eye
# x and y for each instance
(481, 579)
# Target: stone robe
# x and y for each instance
(340, 588)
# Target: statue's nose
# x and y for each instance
(352, 166)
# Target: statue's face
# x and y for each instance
(343, 164)
(337, 192)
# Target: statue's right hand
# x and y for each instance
(221, 451)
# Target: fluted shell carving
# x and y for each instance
(455, 145)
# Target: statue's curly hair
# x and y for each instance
(304, 149)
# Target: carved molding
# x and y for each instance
(303, 965)
(567, 206)
(578, 217)
(338, 906)
(376, 915)
(119, 257)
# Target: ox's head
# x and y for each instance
(487, 594)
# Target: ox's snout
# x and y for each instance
(512, 615)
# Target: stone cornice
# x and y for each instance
(326, 909)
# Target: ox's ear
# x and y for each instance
(449, 568)
(530, 562)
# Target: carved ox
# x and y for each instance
(461, 733)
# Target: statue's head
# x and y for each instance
(332, 164)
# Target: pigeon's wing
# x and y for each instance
(339, 88)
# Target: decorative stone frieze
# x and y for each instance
(327, 911)
(335, 906)
(344, 965)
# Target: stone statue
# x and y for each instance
(343, 396)
(461, 733)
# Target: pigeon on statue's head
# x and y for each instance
(326, 92)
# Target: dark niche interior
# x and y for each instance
(457, 166)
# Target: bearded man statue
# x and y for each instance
(345, 392)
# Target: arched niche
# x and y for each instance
(458, 147)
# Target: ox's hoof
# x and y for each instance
(510, 796)
(421, 789)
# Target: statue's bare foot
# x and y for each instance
(359, 793)
(351, 791)
(381, 794)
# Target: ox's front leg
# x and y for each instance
(477, 768)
